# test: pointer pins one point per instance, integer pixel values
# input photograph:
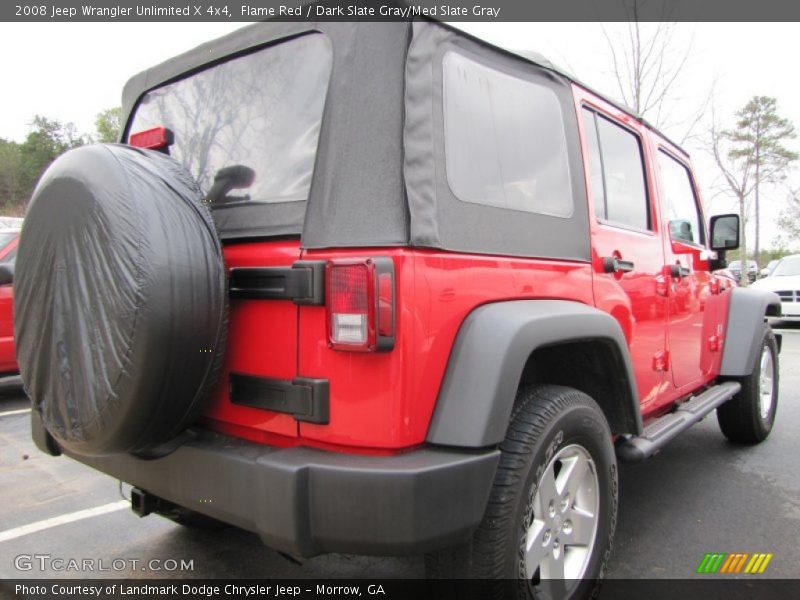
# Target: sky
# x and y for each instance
(71, 71)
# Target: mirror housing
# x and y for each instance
(6, 273)
(724, 232)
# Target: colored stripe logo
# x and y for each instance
(737, 562)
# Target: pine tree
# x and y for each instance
(758, 144)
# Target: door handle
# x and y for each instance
(612, 264)
(679, 272)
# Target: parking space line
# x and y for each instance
(16, 532)
(8, 413)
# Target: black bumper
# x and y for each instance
(307, 502)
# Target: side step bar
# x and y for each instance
(662, 431)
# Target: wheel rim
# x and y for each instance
(766, 396)
(565, 513)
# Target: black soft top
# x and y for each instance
(378, 177)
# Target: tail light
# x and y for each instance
(360, 301)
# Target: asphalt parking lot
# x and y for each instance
(701, 494)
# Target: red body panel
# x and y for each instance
(8, 358)
(262, 340)
(386, 400)
(378, 401)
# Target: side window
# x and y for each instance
(684, 218)
(505, 143)
(595, 165)
(617, 173)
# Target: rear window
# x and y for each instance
(505, 143)
(248, 129)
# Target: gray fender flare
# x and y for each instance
(490, 353)
(746, 312)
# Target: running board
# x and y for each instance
(662, 431)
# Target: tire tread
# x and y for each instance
(537, 406)
(739, 419)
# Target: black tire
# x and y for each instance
(547, 421)
(120, 301)
(740, 418)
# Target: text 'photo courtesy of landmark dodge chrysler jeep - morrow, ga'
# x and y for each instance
(382, 288)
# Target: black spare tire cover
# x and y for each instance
(120, 309)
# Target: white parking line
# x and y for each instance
(11, 534)
(8, 413)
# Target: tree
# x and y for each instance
(22, 164)
(648, 62)
(737, 176)
(107, 125)
(47, 139)
(12, 174)
(750, 156)
(758, 141)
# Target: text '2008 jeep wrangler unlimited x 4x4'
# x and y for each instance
(382, 288)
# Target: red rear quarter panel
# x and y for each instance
(386, 400)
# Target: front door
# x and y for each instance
(689, 337)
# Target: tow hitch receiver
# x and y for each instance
(143, 503)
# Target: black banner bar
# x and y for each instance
(391, 10)
(708, 588)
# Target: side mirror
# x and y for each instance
(724, 232)
(6, 273)
(230, 178)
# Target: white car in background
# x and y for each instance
(785, 281)
(10, 222)
(767, 271)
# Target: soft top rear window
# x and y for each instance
(247, 129)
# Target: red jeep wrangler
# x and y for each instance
(382, 288)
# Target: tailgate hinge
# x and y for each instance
(302, 283)
(304, 398)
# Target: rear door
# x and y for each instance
(627, 252)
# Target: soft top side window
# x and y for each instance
(505, 143)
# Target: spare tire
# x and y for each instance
(119, 300)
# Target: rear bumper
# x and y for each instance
(307, 502)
